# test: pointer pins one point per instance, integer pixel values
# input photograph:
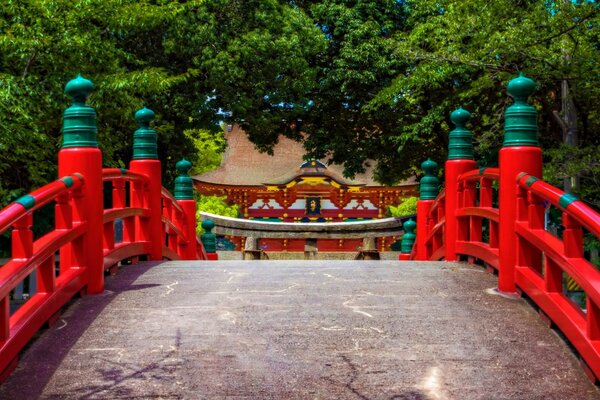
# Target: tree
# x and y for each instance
(464, 53)
(215, 205)
(45, 43)
(406, 208)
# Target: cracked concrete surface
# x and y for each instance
(299, 330)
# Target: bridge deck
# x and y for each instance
(293, 329)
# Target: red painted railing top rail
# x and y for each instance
(437, 202)
(167, 195)
(38, 256)
(37, 199)
(576, 208)
(546, 261)
(477, 174)
(121, 173)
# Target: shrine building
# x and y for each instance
(284, 187)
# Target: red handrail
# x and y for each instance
(109, 174)
(545, 258)
(38, 198)
(168, 196)
(434, 238)
(475, 206)
(584, 214)
(477, 174)
(28, 256)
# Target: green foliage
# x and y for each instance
(464, 53)
(568, 161)
(44, 44)
(363, 79)
(209, 146)
(215, 205)
(407, 207)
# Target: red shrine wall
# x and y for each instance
(311, 199)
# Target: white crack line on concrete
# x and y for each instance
(357, 348)
(157, 350)
(235, 275)
(356, 309)
(329, 276)
(377, 330)
(333, 328)
(63, 325)
(273, 291)
(228, 316)
(170, 289)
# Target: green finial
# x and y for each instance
(208, 239)
(408, 239)
(430, 184)
(520, 119)
(460, 146)
(184, 185)
(144, 139)
(79, 121)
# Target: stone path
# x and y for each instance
(299, 330)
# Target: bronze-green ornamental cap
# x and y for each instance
(520, 119)
(144, 116)
(184, 185)
(459, 117)
(460, 140)
(79, 120)
(145, 138)
(208, 225)
(183, 166)
(521, 87)
(79, 88)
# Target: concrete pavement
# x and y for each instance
(299, 330)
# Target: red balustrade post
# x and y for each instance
(22, 238)
(460, 160)
(80, 154)
(184, 193)
(428, 191)
(572, 237)
(145, 161)
(63, 217)
(4, 319)
(520, 153)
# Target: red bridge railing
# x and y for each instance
(73, 256)
(29, 256)
(499, 217)
(475, 206)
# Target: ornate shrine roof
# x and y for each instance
(243, 165)
(314, 168)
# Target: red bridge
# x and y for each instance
(377, 329)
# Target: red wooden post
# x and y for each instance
(145, 161)
(460, 160)
(520, 153)
(423, 207)
(63, 217)
(4, 319)
(184, 193)
(22, 238)
(429, 189)
(46, 281)
(593, 320)
(572, 237)
(80, 154)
